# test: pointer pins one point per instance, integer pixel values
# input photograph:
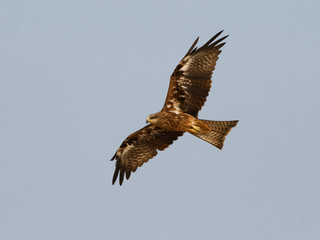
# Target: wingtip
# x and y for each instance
(196, 41)
(220, 32)
(220, 46)
(193, 47)
(114, 180)
(219, 41)
(121, 176)
(211, 40)
(114, 157)
(128, 173)
(115, 175)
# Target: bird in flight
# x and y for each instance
(189, 87)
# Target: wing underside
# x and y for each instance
(190, 82)
(139, 147)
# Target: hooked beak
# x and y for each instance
(147, 121)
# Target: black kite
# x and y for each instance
(189, 87)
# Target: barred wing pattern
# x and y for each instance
(190, 82)
(139, 147)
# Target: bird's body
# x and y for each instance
(181, 122)
(189, 86)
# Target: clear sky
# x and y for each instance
(77, 77)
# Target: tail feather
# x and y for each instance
(217, 134)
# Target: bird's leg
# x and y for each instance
(194, 129)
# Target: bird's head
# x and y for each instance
(153, 118)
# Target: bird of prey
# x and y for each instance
(189, 87)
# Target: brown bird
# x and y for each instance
(189, 87)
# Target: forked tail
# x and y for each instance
(217, 134)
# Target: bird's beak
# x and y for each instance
(147, 121)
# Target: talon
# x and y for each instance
(195, 129)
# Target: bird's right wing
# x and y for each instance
(139, 147)
(190, 82)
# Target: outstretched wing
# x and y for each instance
(139, 147)
(190, 82)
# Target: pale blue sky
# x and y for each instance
(77, 77)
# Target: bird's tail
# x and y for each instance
(217, 133)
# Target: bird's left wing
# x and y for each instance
(139, 147)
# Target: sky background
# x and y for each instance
(77, 77)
